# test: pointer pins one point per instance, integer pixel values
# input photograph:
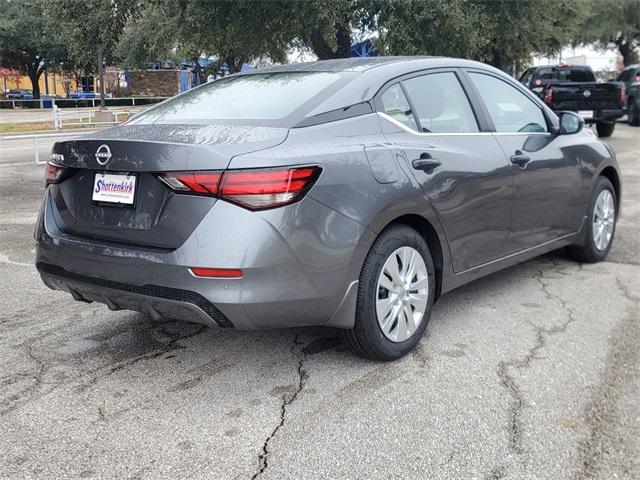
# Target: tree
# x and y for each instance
(232, 31)
(499, 32)
(432, 27)
(614, 23)
(28, 40)
(91, 29)
(327, 27)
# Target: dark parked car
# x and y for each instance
(574, 88)
(630, 76)
(349, 193)
(19, 94)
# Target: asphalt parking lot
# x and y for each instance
(533, 372)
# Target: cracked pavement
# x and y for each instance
(531, 373)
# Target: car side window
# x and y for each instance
(526, 77)
(625, 75)
(511, 110)
(441, 104)
(396, 105)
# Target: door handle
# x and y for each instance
(520, 158)
(426, 163)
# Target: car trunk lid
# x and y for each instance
(157, 217)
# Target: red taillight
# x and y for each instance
(637, 79)
(258, 189)
(255, 189)
(193, 182)
(623, 98)
(538, 82)
(216, 272)
(548, 95)
(53, 174)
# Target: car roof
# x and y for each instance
(564, 65)
(369, 74)
(355, 64)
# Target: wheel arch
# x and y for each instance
(612, 175)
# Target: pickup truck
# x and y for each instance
(574, 88)
(630, 76)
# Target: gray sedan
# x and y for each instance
(348, 194)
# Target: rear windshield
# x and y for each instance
(261, 98)
(566, 74)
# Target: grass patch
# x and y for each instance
(24, 127)
(28, 127)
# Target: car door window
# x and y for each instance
(526, 77)
(396, 105)
(625, 75)
(440, 103)
(511, 110)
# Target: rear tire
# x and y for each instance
(605, 129)
(593, 250)
(406, 301)
(634, 113)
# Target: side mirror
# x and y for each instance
(570, 123)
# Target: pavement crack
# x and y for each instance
(263, 458)
(505, 368)
(166, 348)
(23, 396)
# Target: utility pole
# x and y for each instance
(101, 77)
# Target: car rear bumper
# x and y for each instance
(295, 273)
(605, 116)
(155, 301)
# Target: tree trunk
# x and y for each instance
(343, 39)
(34, 71)
(234, 63)
(323, 50)
(626, 52)
(320, 46)
(496, 58)
(197, 70)
(101, 77)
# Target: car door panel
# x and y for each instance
(471, 192)
(462, 171)
(547, 182)
(546, 191)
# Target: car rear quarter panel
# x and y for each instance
(347, 184)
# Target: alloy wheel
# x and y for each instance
(603, 220)
(402, 294)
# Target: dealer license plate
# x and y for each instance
(114, 188)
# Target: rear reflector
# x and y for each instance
(255, 189)
(53, 174)
(216, 272)
(548, 96)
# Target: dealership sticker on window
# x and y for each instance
(114, 188)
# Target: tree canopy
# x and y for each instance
(34, 34)
(28, 40)
(614, 22)
(499, 32)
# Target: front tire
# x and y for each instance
(395, 296)
(605, 129)
(601, 225)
